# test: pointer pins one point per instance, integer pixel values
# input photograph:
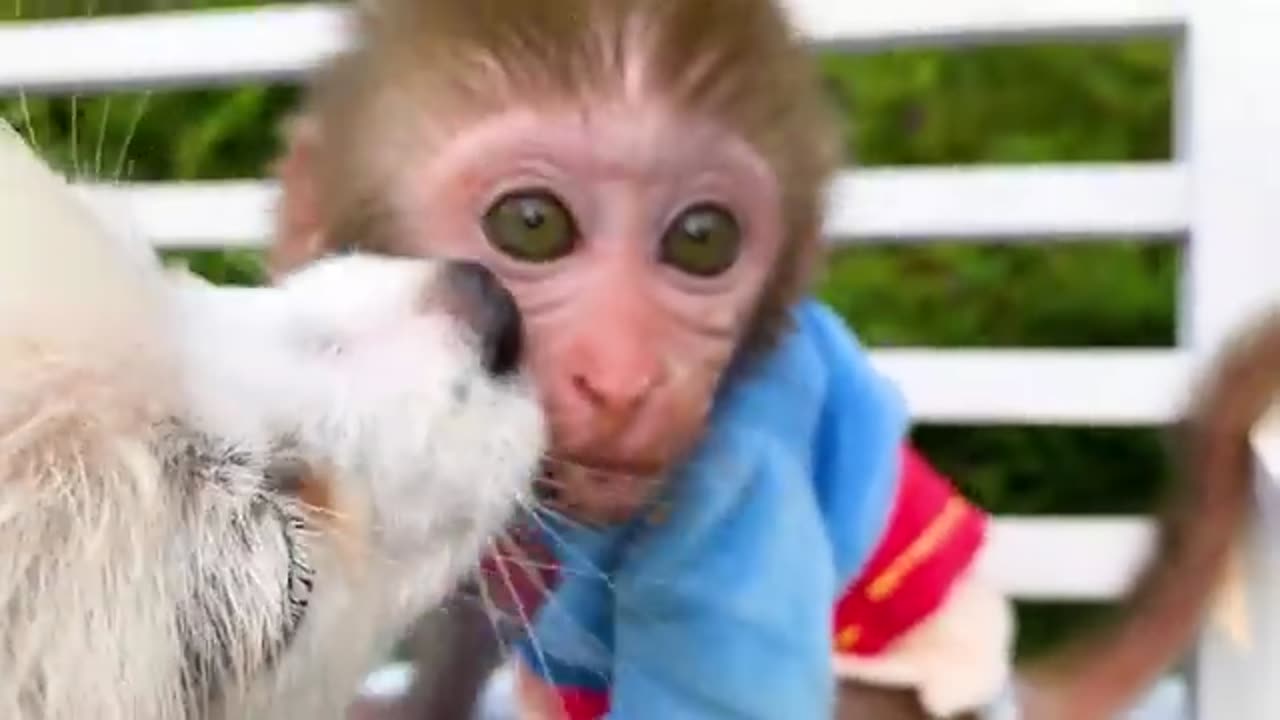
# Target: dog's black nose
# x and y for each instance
(486, 304)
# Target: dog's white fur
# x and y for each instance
(149, 568)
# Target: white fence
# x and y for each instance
(1220, 194)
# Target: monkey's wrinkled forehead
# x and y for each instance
(419, 71)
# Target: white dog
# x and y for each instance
(227, 503)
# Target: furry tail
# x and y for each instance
(1102, 675)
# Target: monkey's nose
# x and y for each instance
(486, 304)
(619, 390)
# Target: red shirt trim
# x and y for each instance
(932, 537)
(581, 704)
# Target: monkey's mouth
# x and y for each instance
(596, 492)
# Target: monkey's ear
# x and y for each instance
(299, 225)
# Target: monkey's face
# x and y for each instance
(645, 176)
(636, 243)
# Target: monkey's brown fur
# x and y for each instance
(422, 68)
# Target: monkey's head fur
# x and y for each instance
(225, 503)
(424, 69)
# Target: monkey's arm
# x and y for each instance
(925, 622)
(919, 617)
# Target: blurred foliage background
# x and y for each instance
(1096, 102)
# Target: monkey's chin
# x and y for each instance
(598, 492)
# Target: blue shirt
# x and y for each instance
(723, 607)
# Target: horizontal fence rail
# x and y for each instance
(165, 50)
(282, 43)
(1072, 202)
(1069, 559)
(864, 27)
(1119, 388)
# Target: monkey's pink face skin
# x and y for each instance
(636, 244)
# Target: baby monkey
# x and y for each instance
(647, 177)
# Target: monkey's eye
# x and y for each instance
(531, 225)
(704, 240)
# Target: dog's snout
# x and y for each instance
(480, 299)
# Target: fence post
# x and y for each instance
(1228, 134)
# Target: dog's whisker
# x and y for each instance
(101, 144)
(524, 618)
(491, 612)
(139, 109)
(550, 603)
(75, 137)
